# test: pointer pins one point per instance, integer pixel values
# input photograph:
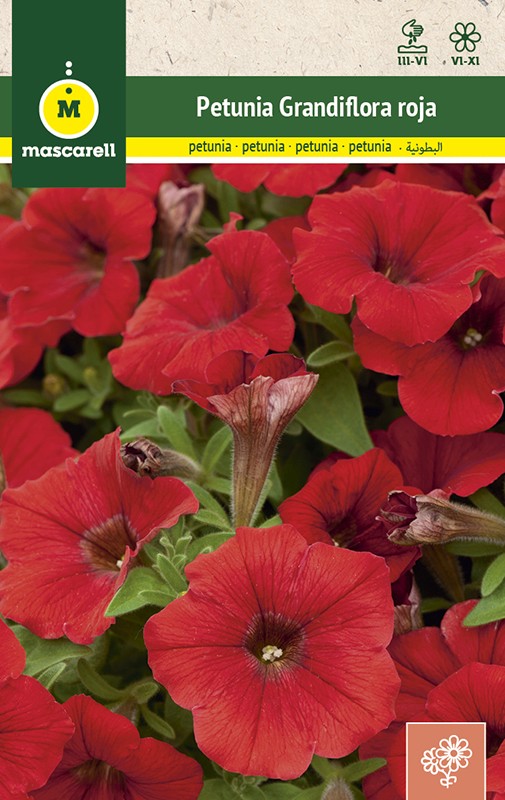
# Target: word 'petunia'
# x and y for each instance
(273, 648)
(71, 537)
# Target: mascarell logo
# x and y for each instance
(69, 108)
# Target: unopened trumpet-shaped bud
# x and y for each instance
(433, 519)
(257, 399)
(180, 208)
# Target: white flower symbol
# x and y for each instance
(451, 755)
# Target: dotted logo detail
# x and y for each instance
(68, 108)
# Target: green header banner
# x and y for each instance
(68, 93)
(315, 106)
(164, 106)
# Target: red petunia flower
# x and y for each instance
(273, 647)
(257, 399)
(72, 257)
(33, 727)
(21, 348)
(71, 537)
(339, 505)
(453, 464)
(281, 231)
(445, 676)
(295, 180)
(31, 442)
(234, 300)
(106, 759)
(451, 386)
(407, 254)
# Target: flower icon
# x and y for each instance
(430, 761)
(465, 37)
(451, 755)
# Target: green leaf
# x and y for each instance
(42, 654)
(252, 793)
(489, 609)
(227, 199)
(494, 576)
(51, 675)
(140, 588)
(281, 791)
(486, 501)
(208, 517)
(25, 397)
(71, 400)
(143, 691)
(216, 789)
(158, 724)
(96, 684)
(216, 447)
(359, 769)
(333, 412)
(67, 366)
(335, 323)
(277, 206)
(171, 574)
(208, 543)
(435, 604)
(388, 389)
(314, 793)
(148, 427)
(323, 767)
(473, 549)
(330, 353)
(207, 501)
(173, 427)
(269, 523)
(220, 485)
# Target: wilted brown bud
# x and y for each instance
(180, 208)
(408, 615)
(433, 519)
(337, 789)
(147, 459)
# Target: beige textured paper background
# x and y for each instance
(295, 37)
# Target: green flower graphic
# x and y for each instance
(465, 37)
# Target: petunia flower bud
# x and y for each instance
(179, 210)
(433, 519)
(146, 458)
(257, 400)
(337, 789)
